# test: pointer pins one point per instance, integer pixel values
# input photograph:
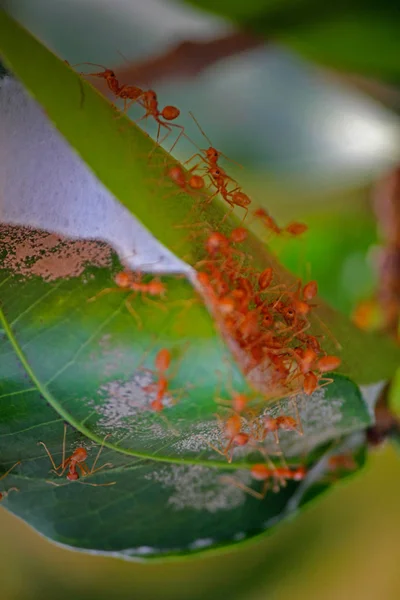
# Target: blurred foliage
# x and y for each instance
(354, 35)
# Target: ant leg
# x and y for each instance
(178, 138)
(85, 471)
(106, 291)
(9, 470)
(93, 470)
(132, 311)
(64, 445)
(247, 212)
(329, 332)
(212, 446)
(299, 424)
(327, 382)
(55, 469)
(228, 214)
(280, 452)
(65, 462)
(159, 305)
(229, 447)
(96, 484)
(5, 494)
(194, 156)
(56, 484)
(245, 488)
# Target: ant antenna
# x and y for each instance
(123, 56)
(89, 63)
(201, 130)
(209, 141)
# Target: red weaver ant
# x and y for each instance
(12, 489)
(295, 228)
(160, 387)
(262, 472)
(162, 363)
(128, 93)
(107, 74)
(77, 460)
(210, 156)
(188, 182)
(267, 220)
(232, 430)
(127, 280)
(149, 101)
(342, 461)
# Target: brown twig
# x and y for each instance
(185, 60)
(387, 210)
(386, 423)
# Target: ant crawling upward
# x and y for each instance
(77, 460)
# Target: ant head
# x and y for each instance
(151, 95)
(299, 473)
(290, 313)
(157, 405)
(260, 212)
(122, 279)
(215, 172)
(163, 359)
(212, 154)
(267, 321)
(79, 454)
(107, 74)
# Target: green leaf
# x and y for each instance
(355, 36)
(64, 359)
(77, 109)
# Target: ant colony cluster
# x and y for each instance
(264, 321)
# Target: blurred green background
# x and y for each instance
(312, 150)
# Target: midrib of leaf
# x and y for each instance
(42, 389)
